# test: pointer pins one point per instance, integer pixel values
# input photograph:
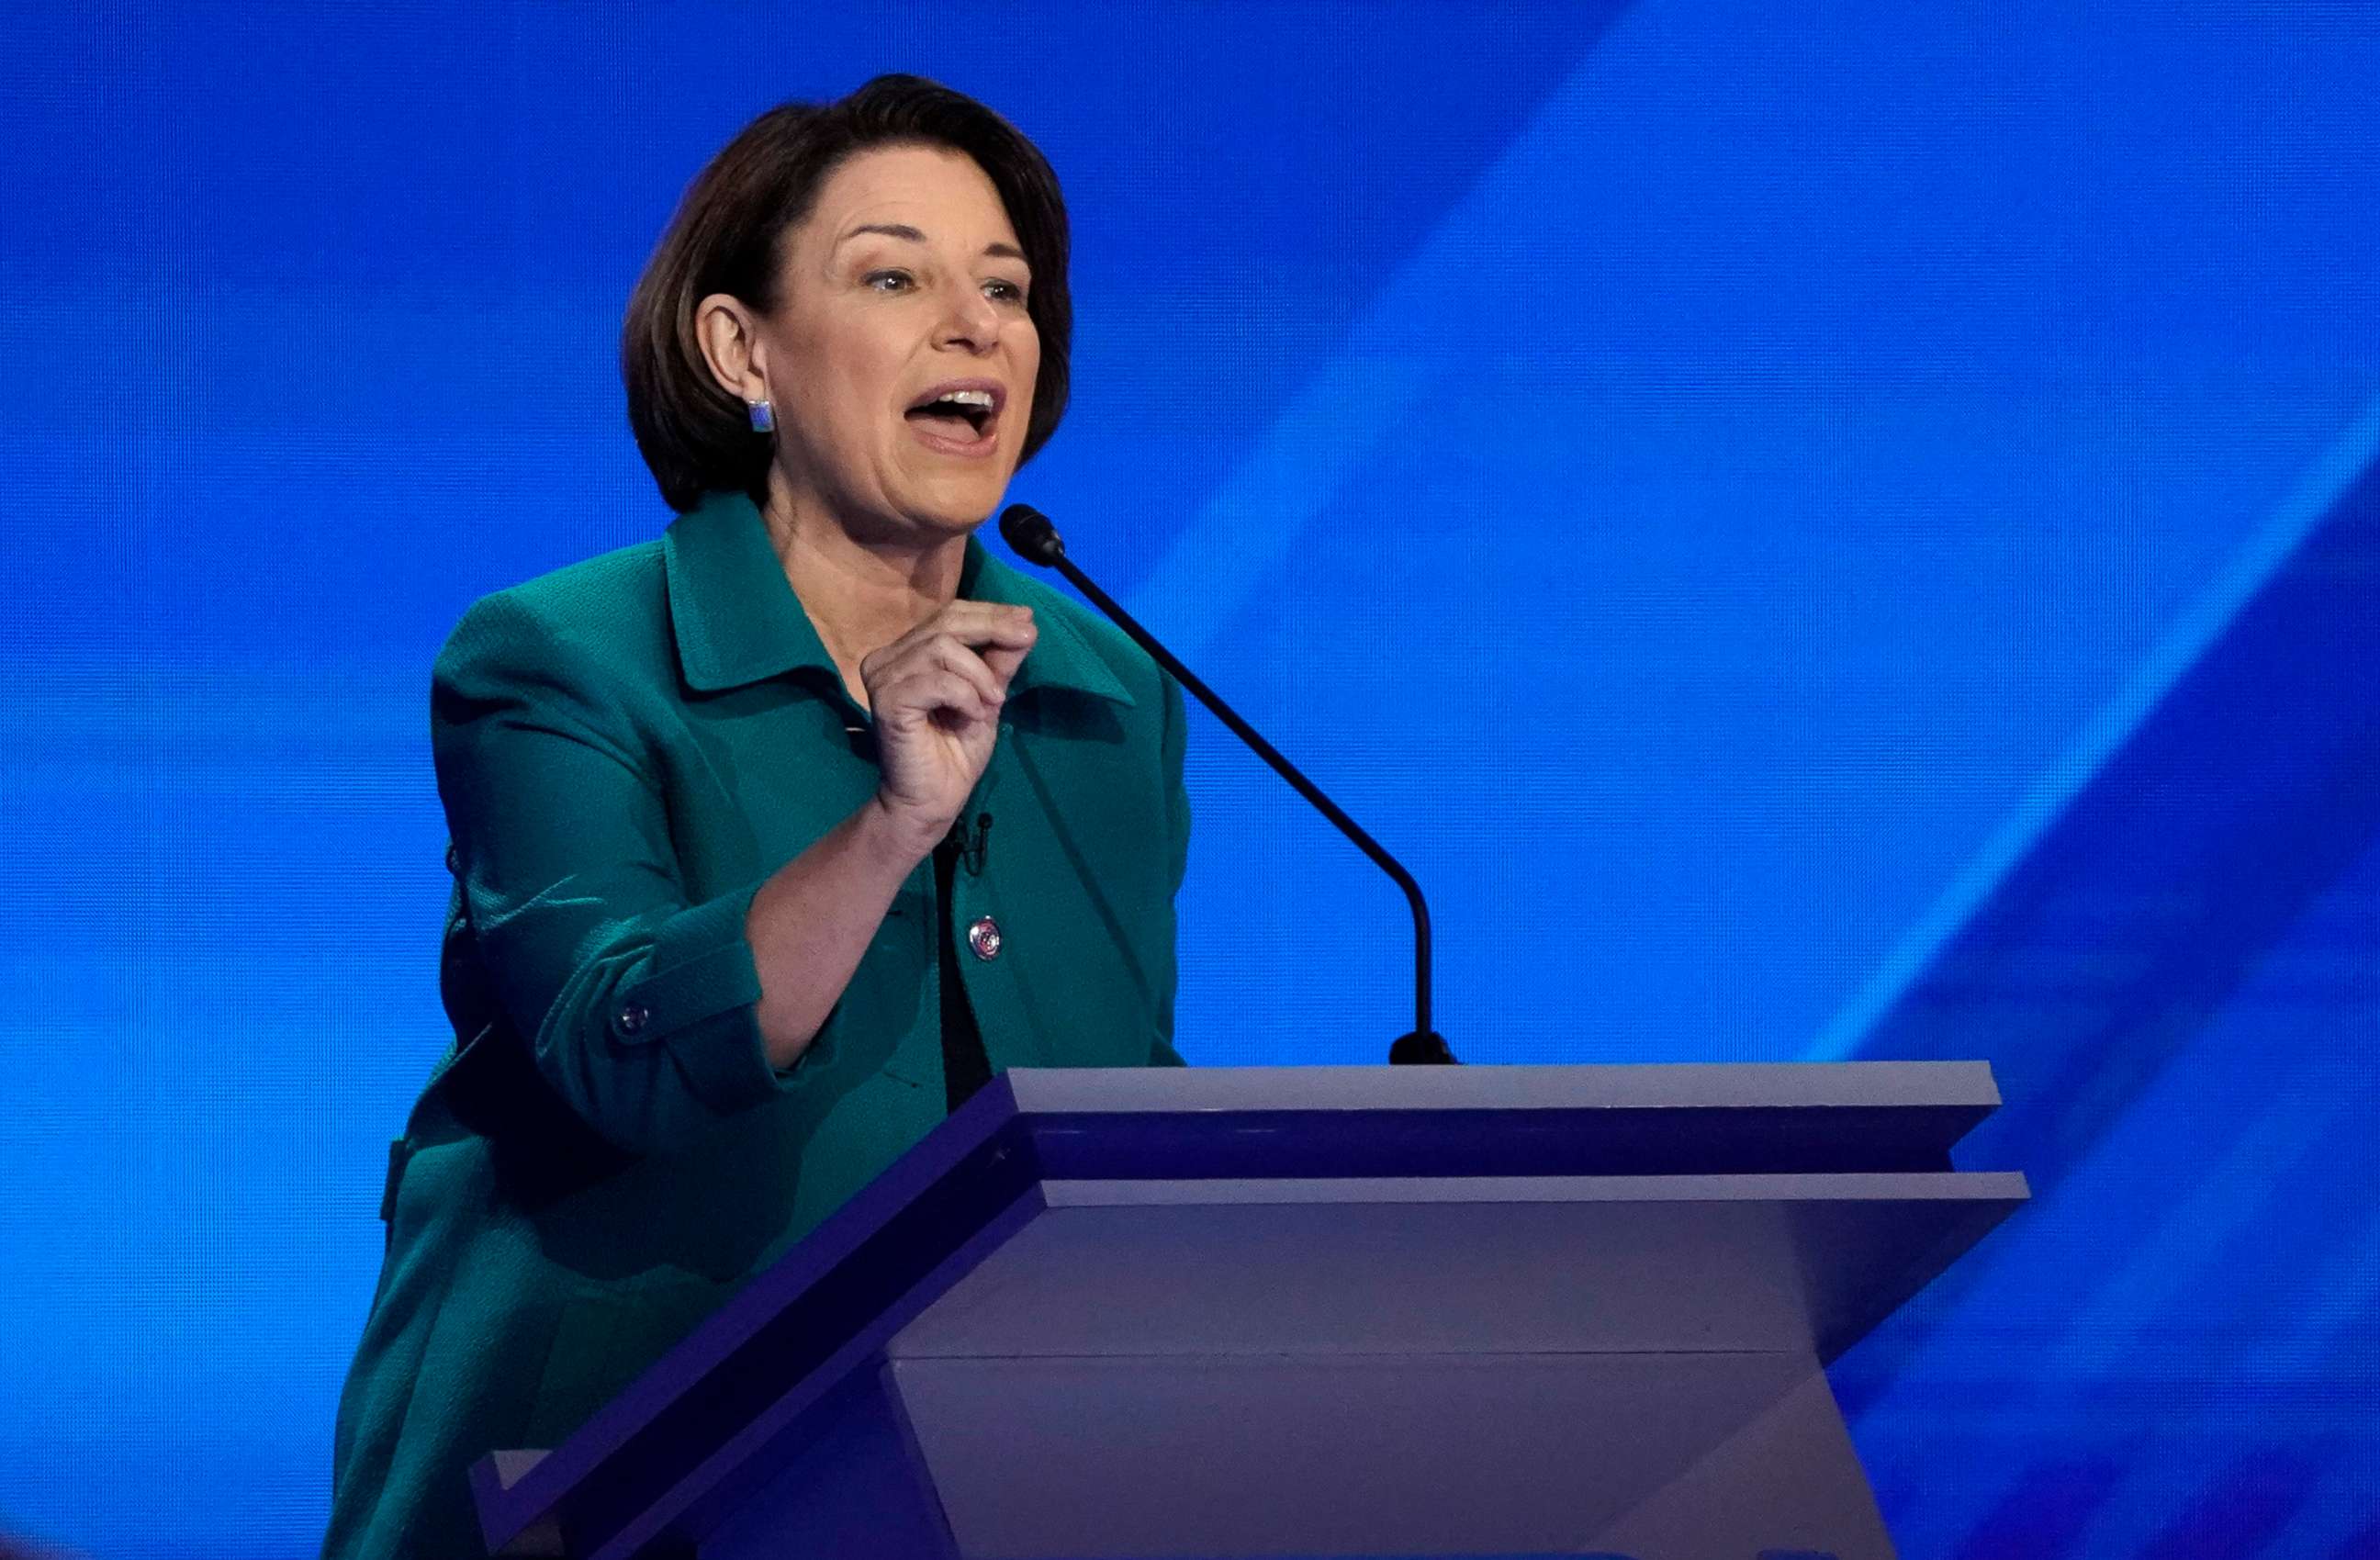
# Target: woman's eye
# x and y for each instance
(889, 280)
(1003, 292)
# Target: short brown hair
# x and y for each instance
(727, 236)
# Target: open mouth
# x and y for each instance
(961, 414)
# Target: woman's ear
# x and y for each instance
(730, 343)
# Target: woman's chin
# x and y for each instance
(957, 506)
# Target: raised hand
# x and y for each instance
(936, 692)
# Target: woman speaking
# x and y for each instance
(775, 838)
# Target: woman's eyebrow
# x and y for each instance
(902, 230)
(890, 230)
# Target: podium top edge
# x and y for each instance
(1631, 1086)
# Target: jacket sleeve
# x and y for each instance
(1177, 834)
(638, 1006)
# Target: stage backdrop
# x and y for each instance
(1817, 530)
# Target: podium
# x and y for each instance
(1306, 1312)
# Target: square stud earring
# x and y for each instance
(764, 419)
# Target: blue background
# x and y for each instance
(1817, 530)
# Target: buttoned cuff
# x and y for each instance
(698, 998)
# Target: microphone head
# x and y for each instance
(1029, 533)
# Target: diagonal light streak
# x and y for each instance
(2189, 638)
(1332, 429)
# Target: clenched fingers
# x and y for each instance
(963, 637)
(943, 665)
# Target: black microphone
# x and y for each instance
(1035, 540)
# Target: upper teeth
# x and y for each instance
(968, 397)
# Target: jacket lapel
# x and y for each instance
(736, 620)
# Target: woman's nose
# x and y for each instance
(969, 319)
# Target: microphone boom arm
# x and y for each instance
(1424, 1045)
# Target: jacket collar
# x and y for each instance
(737, 621)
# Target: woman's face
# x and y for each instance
(900, 360)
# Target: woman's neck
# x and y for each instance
(861, 595)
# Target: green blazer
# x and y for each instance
(626, 748)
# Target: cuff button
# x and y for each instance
(633, 1017)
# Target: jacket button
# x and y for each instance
(983, 937)
(634, 1016)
